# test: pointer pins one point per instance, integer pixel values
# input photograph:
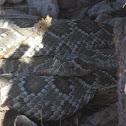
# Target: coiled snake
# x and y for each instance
(74, 59)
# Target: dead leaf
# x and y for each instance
(43, 25)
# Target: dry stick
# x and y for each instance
(15, 46)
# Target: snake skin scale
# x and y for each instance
(55, 74)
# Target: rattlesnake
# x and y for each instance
(74, 59)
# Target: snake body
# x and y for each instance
(55, 74)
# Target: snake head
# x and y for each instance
(42, 25)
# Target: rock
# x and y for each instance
(74, 13)
(104, 117)
(14, 1)
(79, 14)
(121, 1)
(2, 2)
(44, 7)
(84, 3)
(65, 4)
(22, 120)
(112, 22)
(103, 18)
(103, 7)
